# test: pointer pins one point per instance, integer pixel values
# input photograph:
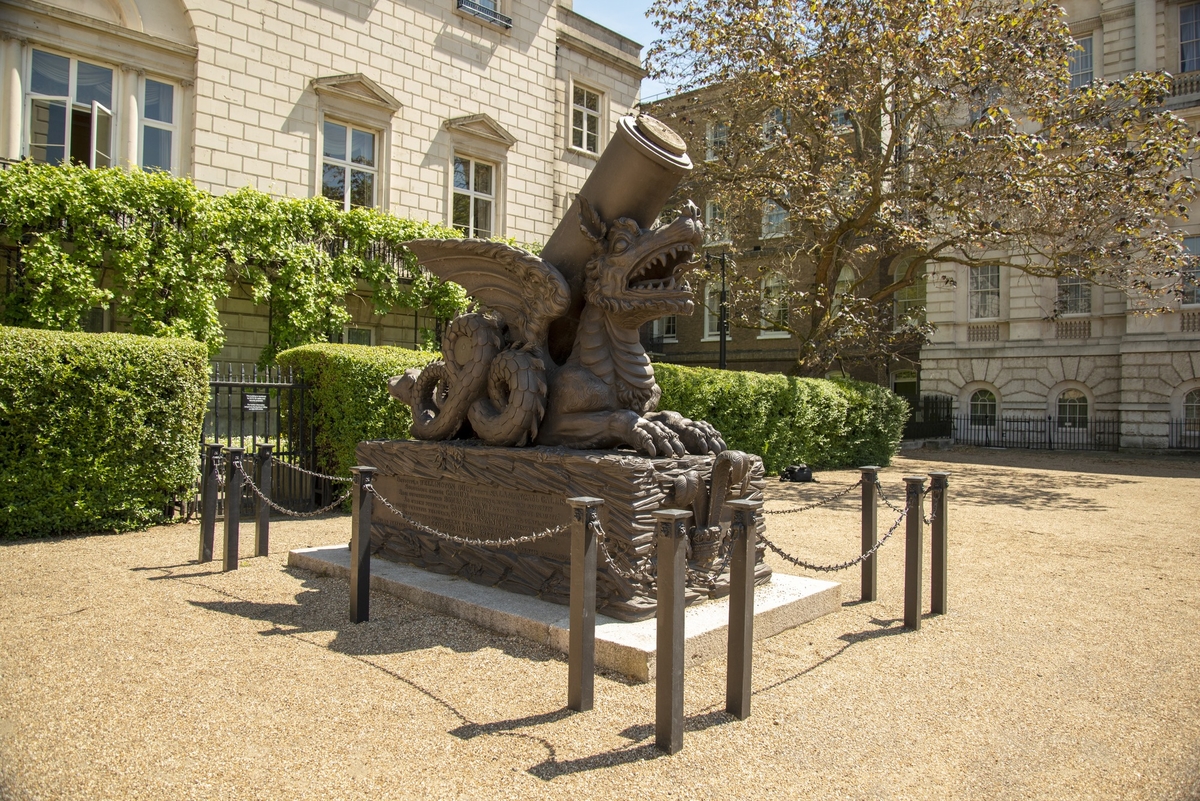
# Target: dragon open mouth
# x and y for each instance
(658, 272)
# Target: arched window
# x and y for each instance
(1191, 411)
(1072, 409)
(983, 408)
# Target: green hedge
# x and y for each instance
(352, 404)
(787, 420)
(822, 423)
(97, 431)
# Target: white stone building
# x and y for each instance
(1002, 352)
(486, 114)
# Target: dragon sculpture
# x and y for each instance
(496, 380)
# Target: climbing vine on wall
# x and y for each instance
(163, 252)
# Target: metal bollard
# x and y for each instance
(740, 652)
(208, 501)
(262, 516)
(233, 507)
(870, 531)
(939, 534)
(581, 653)
(672, 525)
(360, 545)
(914, 552)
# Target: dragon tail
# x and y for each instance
(512, 410)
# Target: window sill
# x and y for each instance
(580, 151)
(714, 338)
(774, 335)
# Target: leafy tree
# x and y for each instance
(903, 136)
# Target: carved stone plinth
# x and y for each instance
(482, 492)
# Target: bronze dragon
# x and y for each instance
(496, 380)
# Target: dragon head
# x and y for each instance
(635, 273)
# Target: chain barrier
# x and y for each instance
(314, 474)
(879, 489)
(509, 542)
(709, 579)
(844, 565)
(932, 507)
(219, 469)
(284, 510)
(637, 574)
(842, 494)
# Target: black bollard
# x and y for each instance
(672, 525)
(208, 501)
(262, 516)
(914, 551)
(360, 545)
(870, 532)
(939, 534)
(740, 652)
(233, 507)
(581, 653)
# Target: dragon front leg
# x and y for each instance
(611, 430)
(697, 436)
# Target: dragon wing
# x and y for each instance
(527, 291)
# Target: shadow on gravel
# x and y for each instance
(982, 486)
(1156, 465)
(321, 607)
(552, 768)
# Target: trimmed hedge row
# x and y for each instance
(822, 423)
(825, 423)
(350, 397)
(97, 431)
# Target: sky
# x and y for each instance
(628, 18)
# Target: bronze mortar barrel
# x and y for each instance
(639, 169)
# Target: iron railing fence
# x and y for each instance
(932, 418)
(1049, 433)
(1184, 435)
(249, 405)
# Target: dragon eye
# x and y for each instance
(620, 245)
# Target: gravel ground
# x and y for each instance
(1066, 668)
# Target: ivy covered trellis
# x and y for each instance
(163, 252)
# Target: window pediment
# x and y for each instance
(481, 126)
(356, 96)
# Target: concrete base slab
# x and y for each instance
(623, 647)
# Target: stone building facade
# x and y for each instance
(485, 114)
(1011, 345)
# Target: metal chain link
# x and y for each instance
(299, 469)
(844, 565)
(284, 510)
(709, 579)
(637, 574)
(830, 499)
(541, 535)
(219, 469)
(882, 497)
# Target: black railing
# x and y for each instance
(1184, 435)
(247, 405)
(650, 342)
(1049, 433)
(932, 418)
(485, 11)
